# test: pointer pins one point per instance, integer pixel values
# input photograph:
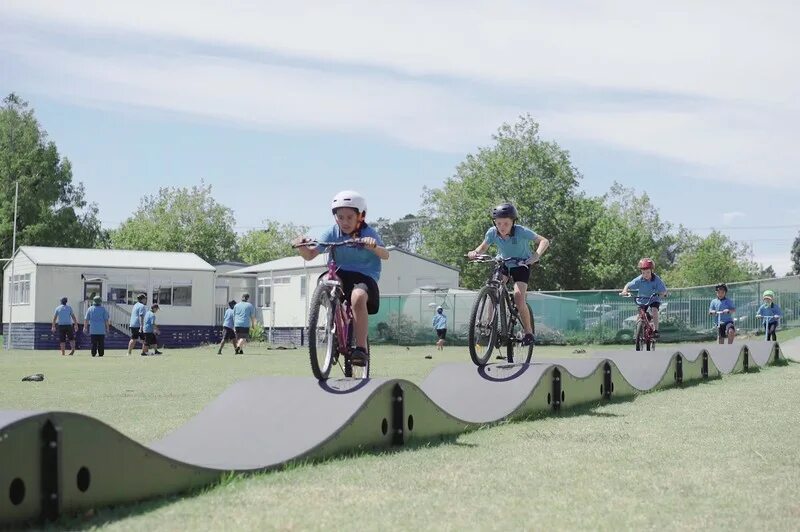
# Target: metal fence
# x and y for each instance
(579, 317)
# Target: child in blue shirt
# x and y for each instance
(228, 332)
(96, 323)
(151, 331)
(772, 311)
(650, 289)
(726, 308)
(359, 268)
(439, 324)
(67, 323)
(514, 242)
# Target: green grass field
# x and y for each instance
(723, 454)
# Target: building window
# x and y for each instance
(135, 287)
(162, 294)
(282, 280)
(20, 289)
(117, 293)
(263, 293)
(303, 284)
(182, 294)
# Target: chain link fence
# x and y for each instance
(581, 317)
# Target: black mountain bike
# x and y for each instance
(495, 321)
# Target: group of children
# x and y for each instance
(96, 323)
(360, 268)
(650, 288)
(238, 319)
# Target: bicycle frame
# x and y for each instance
(496, 281)
(343, 315)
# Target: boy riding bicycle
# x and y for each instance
(648, 285)
(513, 241)
(724, 307)
(359, 268)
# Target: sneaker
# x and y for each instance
(219, 352)
(359, 357)
(157, 352)
(527, 339)
(143, 354)
(241, 351)
(72, 352)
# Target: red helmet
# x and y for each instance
(646, 264)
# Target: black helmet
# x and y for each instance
(722, 286)
(505, 210)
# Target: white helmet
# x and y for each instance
(349, 198)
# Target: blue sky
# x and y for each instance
(279, 106)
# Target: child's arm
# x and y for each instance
(627, 287)
(371, 244)
(543, 244)
(306, 252)
(480, 250)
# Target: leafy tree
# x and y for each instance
(274, 242)
(52, 208)
(767, 273)
(716, 258)
(538, 177)
(403, 233)
(180, 219)
(796, 256)
(626, 228)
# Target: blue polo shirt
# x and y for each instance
(242, 314)
(647, 288)
(439, 321)
(97, 316)
(517, 245)
(227, 321)
(353, 259)
(139, 310)
(718, 304)
(64, 313)
(770, 310)
(149, 322)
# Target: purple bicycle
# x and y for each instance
(330, 322)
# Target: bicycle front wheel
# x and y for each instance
(515, 351)
(483, 323)
(322, 331)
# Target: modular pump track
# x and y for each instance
(53, 463)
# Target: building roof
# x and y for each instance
(296, 263)
(115, 258)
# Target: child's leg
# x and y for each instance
(654, 313)
(520, 290)
(358, 302)
(731, 334)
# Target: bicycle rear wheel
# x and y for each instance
(515, 351)
(483, 323)
(322, 341)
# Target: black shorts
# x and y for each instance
(242, 332)
(722, 331)
(441, 333)
(351, 280)
(228, 333)
(654, 304)
(520, 274)
(150, 339)
(136, 333)
(64, 332)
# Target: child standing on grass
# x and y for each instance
(96, 323)
(151, 331)
(228, 333)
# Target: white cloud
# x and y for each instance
(730, 217)
(729, 104)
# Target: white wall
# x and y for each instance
(401, 274)
(404, 273)
(22, 313)
(54, 282)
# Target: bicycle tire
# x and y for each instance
(322, 299)
(488, 331)
(518, 353)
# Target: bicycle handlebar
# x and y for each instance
(354, 242)
(521, 261)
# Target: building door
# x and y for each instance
(92, 289)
